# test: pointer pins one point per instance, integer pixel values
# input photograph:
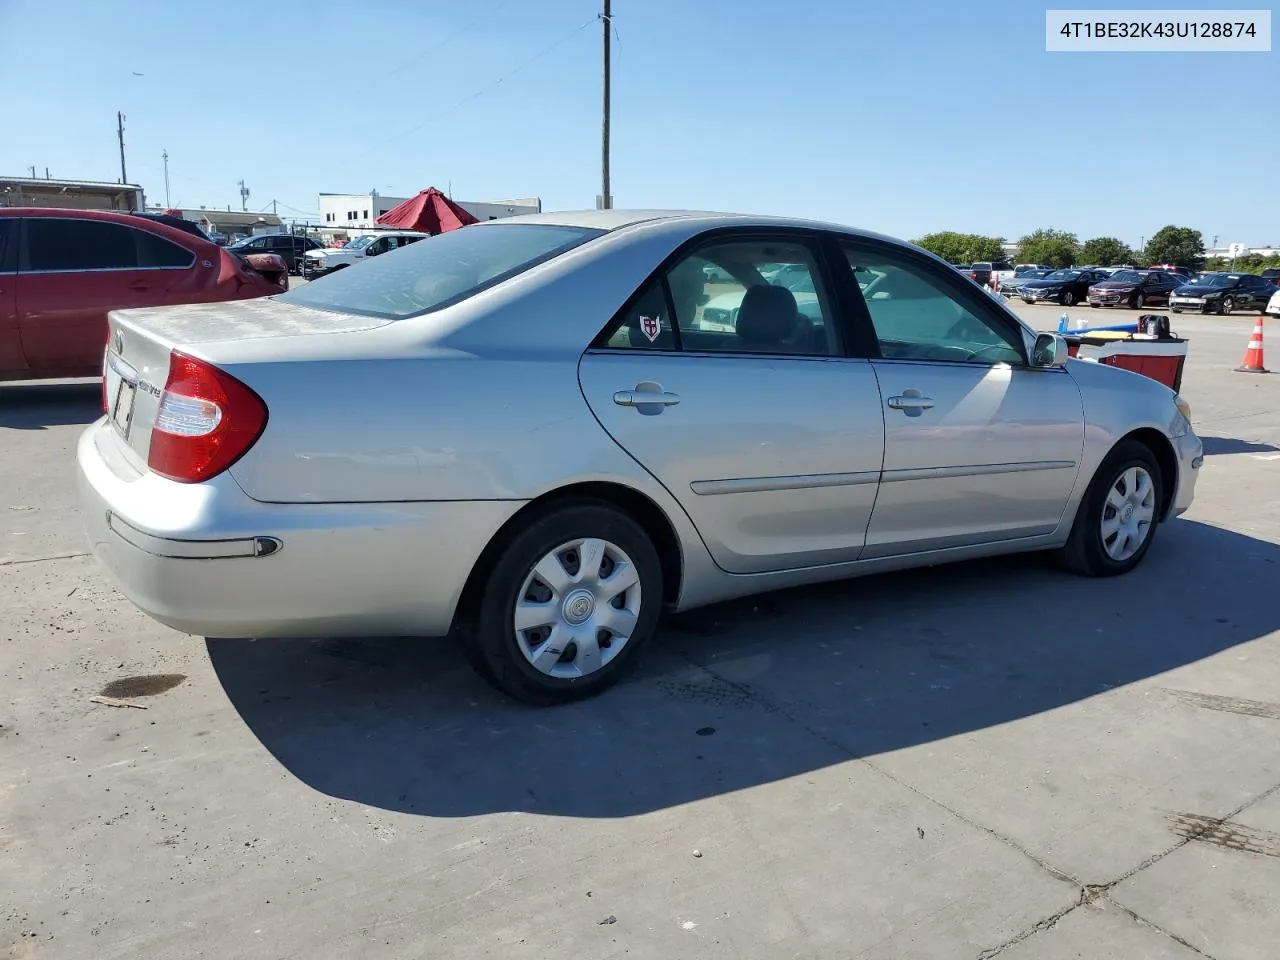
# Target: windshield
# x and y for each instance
(1214, 280)
(1126, 276)
(1063, 275)
(359, 243)
(437, 271)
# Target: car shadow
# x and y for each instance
(37, 406)
(1215, 446)
(750, 691)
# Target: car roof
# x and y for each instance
(610, 220)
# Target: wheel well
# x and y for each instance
(1166, 460)
(631, 502)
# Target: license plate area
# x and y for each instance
(121, 390)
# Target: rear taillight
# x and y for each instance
(206, 421)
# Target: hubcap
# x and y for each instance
(577, 608)
(1128, 514)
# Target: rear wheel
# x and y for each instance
(568, 605)
(1117, 518)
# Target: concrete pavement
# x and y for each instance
(992, 759)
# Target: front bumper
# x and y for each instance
(1035, 296)
(208, 560)
(1190, 453)
(1109, 299)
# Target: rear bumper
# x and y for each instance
(208, 560)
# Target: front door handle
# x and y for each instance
(910, 403)
(646, 394)
(140, 285)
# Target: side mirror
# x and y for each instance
(1050, 351)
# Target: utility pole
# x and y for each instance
(606, 201)
(33, 171)
(244, 198)
(165, 154)
(273, 209)
(124, 177)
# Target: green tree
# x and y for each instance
(1180, 246)
(962, 247)
(1057, 248)
(1106, 251)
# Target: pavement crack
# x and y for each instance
(1048, 923)
(52, 556)
(1143, 921)
(749, 693)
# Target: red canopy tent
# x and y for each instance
(430, 211)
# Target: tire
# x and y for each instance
(1227, 305)
(497, 649)
(1067, 299)
(1095, 306)
(1086, 552)
(1137, 301)
(1175, 309)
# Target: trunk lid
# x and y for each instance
(139, 343)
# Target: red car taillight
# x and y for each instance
(206, 421)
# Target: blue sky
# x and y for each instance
(904, 117)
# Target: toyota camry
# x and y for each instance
(527, 434)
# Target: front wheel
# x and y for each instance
(1175, 309)
(1117, 518)
(568, 605)
(1138, 302)
(1227, 306)
(1068, 298)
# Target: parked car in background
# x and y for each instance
(1066, 287)
(324, 260)
(289, 247)
(315, 444)
(1272, 275)
(178, 223)
(62, 270)
(1134, 288)
(1273, 305)
(1011, 287)
(1171, 268)
(988, 272)
(1021, 268)
(1222, 293)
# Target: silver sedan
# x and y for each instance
(527, 433)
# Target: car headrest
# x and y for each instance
(767, 315)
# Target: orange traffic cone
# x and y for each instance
(1253, 353)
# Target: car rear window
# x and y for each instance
(439, 271)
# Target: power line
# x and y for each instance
(446, 41)
(485, 89)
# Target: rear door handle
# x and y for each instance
(910, 403)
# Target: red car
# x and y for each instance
(62, 270)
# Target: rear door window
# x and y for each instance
(157, 252)
(64, 244)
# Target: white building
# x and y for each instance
(342, 211)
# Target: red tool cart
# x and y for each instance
(1155, 353)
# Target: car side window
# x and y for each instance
(61, 243)
(918, 316)
(647, 323)
(8, 240)
(156, 251)
(741, 296)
